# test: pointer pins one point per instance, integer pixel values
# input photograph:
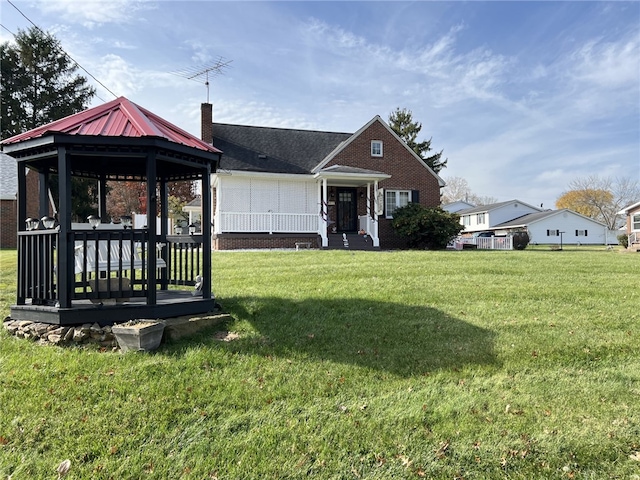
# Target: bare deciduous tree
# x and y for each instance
(457, 188)
(600, 198)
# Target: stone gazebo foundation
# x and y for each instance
(94, 334)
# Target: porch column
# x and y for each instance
(375, 231)
(324, 212)
(217, 219)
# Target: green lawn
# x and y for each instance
(474, 365)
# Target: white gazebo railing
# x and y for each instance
(271, 222)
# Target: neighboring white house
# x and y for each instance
(455, 207)
(194, 210)
(556, 226)
(486, 217)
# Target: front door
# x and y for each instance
(347, 210)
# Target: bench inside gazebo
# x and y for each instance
(107, 272)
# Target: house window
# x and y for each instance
(376, 148)
(466, 220)
(635, 221)
(581, 233)
(395, 199)
(553, 233)
(480, 218)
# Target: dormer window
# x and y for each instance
(376, 148)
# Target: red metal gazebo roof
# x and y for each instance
(117, 118)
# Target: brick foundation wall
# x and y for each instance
(238, 241)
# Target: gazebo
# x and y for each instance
(110, 272)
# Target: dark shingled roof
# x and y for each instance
(275, 150)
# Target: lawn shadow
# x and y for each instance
(404, 340)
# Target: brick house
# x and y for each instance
(9, 201)
(632, 214)
(278, 187)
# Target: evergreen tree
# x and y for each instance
(39, 83)
(401, 121)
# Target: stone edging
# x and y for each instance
(45, 333)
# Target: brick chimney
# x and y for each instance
(206, 127)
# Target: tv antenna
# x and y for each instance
(202, 73)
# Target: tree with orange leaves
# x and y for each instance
(600, 198)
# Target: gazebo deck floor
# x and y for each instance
(169, 303)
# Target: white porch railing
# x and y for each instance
(634, 237)
(271, 222)
(364, 223)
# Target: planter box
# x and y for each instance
(141, 336)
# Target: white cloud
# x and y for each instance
(91, 13)
(608, 64)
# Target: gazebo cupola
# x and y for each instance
(69, 275)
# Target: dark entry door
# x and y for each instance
(347, 210)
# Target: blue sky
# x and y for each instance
(523, 97)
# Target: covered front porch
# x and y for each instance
(285, 211)
(350, 202)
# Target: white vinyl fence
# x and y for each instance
(487, 243)
(495, 243)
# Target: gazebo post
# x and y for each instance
(21, 227)
(102, 199)
(43, 208)
(164, 216)
(65, 247)
(205, 221)
(152, 204)
(22, 197)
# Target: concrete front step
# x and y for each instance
(355, 242)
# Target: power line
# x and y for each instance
(7, 30)
(61, 49)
